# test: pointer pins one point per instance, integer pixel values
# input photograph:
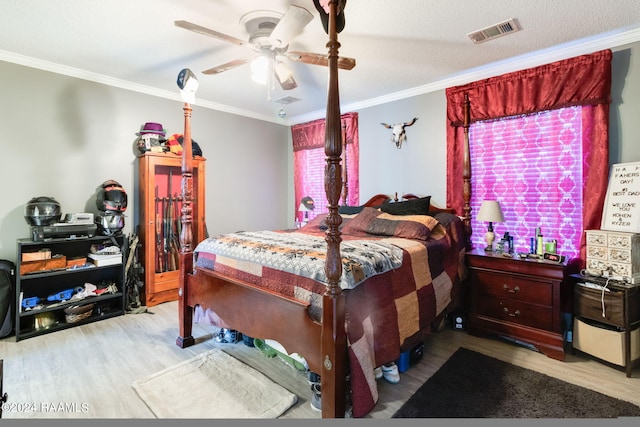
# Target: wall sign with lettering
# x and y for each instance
(622, 204)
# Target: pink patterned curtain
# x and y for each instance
(583, 81)
(309, 162)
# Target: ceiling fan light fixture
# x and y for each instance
(284, 73)
(260, 70)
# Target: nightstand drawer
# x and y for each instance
(505, 285)
(607, 307)
(519, 312)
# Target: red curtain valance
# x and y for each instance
(559, 84)
(311, 135)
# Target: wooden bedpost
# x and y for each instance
(185, 314)
(333, 338)
(466, 171)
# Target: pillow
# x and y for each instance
(405, 226)
(361, 221)
(315, 223)
(374, 222)
(419, 206)
(350, 210)
(320, 222)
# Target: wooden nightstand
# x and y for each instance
(521, 299)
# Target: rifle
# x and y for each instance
(178, 219)
(173, 249)
(166, 227)
(159, 246)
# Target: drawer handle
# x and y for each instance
(514, 314)
(511, 291)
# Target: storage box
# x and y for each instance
(37, 255)
(58, 262)
(614, 252)
(603, 343)
(76, 262)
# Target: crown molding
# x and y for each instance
(555, 53)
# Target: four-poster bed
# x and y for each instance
(322, 338)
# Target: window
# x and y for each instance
(309, 163)
(532, 165)
(564, 102)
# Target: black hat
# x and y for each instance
(324, 16)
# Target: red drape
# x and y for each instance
(308, 148)
(584, 80)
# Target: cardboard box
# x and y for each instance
(76, 262)
(36, 256)
(603, 343)
(58, 262)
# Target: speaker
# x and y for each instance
(458, 320)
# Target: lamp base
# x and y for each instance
(489, 238)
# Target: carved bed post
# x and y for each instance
(333, 337)
(466, 171)
(185, 315)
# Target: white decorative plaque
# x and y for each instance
(622, 203)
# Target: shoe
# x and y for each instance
(313, 378)
(378, 372)
(390, 373)
(316, 401)
(228, 336)
(316, 397)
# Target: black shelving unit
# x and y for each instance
(45, 283)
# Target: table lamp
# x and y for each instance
(490, 211)
(306, 206)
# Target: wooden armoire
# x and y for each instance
(160, 211)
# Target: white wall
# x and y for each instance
(63, 137)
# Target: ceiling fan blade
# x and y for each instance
(227, 66)
(290, 25)
(319, 59)
(211, 33)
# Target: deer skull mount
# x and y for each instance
(398, 134)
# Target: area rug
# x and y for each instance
(473, 385)
(213, 385)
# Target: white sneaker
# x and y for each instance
(390, 373)
(378, 372)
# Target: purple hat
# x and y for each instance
(150, 127)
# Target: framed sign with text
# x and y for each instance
(622, 203)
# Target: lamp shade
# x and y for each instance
(490, 211)
(306, 204)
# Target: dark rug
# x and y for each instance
(473, 385)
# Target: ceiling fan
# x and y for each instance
(269, 36)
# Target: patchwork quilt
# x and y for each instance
(399, 274)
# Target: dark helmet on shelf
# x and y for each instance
(112, 197)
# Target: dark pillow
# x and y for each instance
(361, 221)
(418, 206)
(350, 210)
(405, 226)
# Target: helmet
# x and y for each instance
(41, 211)
(110, 224)
(112, 197)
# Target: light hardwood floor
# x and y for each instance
(91, 367)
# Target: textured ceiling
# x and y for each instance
(401, 47)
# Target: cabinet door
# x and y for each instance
(160, 191)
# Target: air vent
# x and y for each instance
(494, 31)
(286, 100)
